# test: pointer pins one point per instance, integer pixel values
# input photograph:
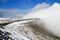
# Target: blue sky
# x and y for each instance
(23, 5)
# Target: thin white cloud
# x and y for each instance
(20, 13)
(17, 15)
(40, 6)
(14, 12)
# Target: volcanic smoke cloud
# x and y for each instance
(50, 16)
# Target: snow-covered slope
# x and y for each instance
(28, 30)
(50, 16)
(6, 20)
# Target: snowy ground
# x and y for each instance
(23, 30)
